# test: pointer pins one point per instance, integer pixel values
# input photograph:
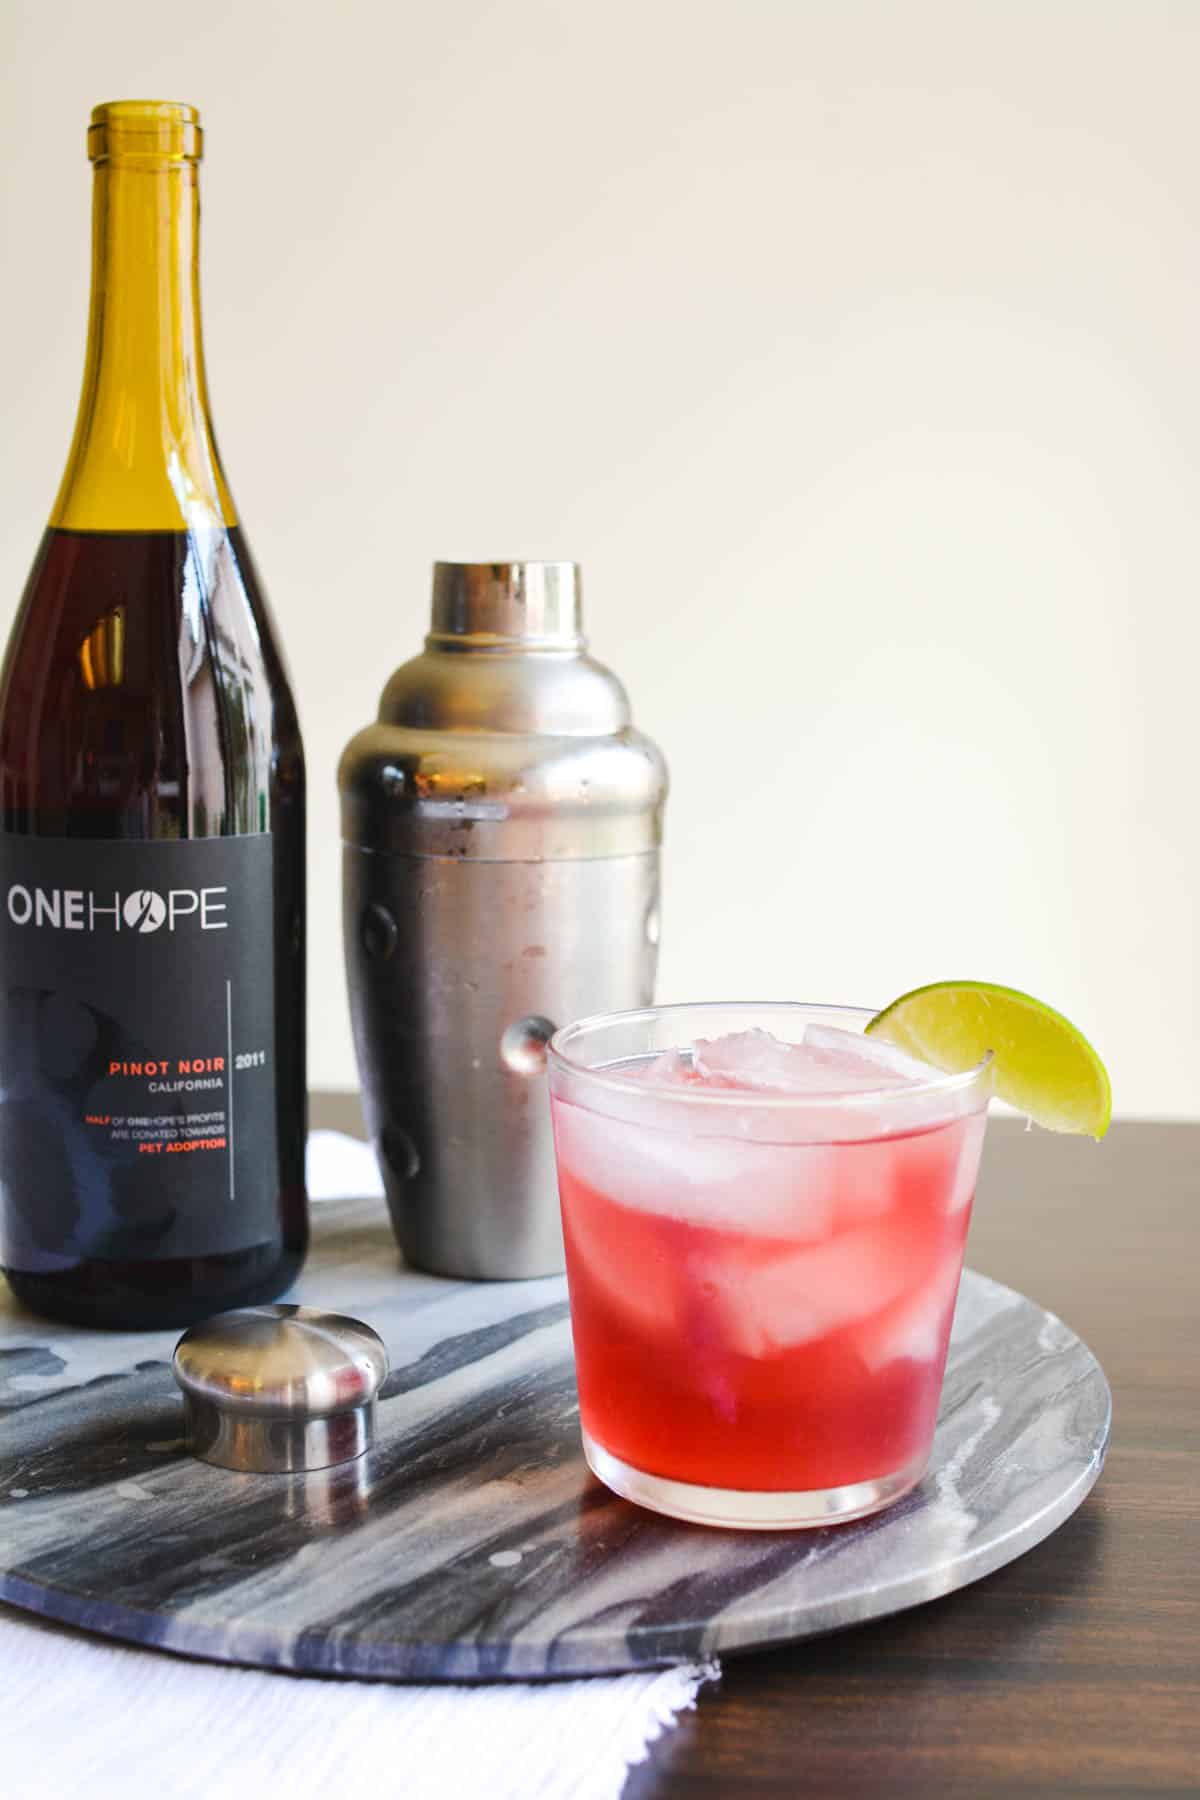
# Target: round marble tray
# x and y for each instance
(472, 1543)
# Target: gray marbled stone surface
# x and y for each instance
(472, 1542)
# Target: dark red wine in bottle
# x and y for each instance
(152, 1066)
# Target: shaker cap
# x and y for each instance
(280, 1388)
(537, 605)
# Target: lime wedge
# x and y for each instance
(1042, 1065)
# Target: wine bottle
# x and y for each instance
(152, 1067)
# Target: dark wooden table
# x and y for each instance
(1076, 1670)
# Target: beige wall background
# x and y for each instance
(852, 349)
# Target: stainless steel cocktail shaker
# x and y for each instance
(501, 825)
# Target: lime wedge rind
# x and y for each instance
(1042, 1064)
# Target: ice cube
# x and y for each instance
(645, 1287)
(722, 1183)
(826, 1060)
(867, 1184)
(895, 1071)
(626, 1162)
(961, 1191)
(869, 1054)
(751, 1059)
(757, 1061)
(767, 1302)
(936, 1164)
(916, 1327)
(829, 1065)
(668, 1070)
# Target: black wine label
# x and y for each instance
(137, 1095)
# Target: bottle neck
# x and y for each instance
(143, 457)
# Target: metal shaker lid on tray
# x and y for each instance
(276, 1389)
(504, 739)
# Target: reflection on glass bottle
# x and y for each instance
(102, 652)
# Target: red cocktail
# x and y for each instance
(764, 1233)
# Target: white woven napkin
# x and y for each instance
(84, 1716)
